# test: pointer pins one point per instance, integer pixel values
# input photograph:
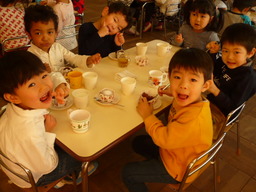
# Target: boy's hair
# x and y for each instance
(203, 6)
(16, 68)
(243, 4)
(193, 59)
(120, 7)
(5, 3)
(39, 13)
(241, 34)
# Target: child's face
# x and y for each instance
(199, 21)
(234, 55)
(35, 93)
(187, 86)
(115, 22)
(43, 35)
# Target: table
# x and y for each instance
(110, 125)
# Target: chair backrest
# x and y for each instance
(199, 163)
(75, 33)
(173, 8)
(234, 115)
(4, 49)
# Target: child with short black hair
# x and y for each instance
(237, 14)
(234, 77)
(41, 24)
(200, 25)
(25, 126)
(105, 35)
(169, 149)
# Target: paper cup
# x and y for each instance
(90, 80)
(80, 97)
(162, 49)
(128, 85)
(141, 48)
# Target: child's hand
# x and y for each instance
(49, 122)
(119, 39)
(61, 92)
(213, 88)
(103, 31)
(167, 91)
(179, 38)
(213, 47)
(94, 59)
(48, 68)
(144, 108)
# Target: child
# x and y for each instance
(169, 149)
(12, 22)
(234, 77)
(198, 30)
(104, 36)
(25, 127)
(237, 14)
(41, 24)
(65, 11)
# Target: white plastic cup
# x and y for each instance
(79, 120)
(128, 85)
(80, 97)
(90, 80)
(141, 48)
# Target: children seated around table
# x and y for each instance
(200, 26)
(237, 14)
(26, 125)
(234, 77)
(168, 149)
(65, 11)
(41, 24)
(12, 23)
(105, 35)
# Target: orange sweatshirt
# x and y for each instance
(189, 133)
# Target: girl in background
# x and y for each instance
(200, 25)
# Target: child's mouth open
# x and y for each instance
(182, 96)
(46, 98)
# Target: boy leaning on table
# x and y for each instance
(169, 149)
(41, 24)
(25, 126)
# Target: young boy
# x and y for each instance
(237, 14)
(169, 149)
(104, 36)
(234, 77)
(41, 24)
(25, 126)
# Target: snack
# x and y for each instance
(149, 97)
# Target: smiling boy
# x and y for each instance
(170, 148)
(234, 77)
(104, 36)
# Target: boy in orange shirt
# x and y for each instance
(169, 149)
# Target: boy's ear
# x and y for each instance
(28, 34)
(105, 11)
(207, 85)
(12, 98)
(252, 53)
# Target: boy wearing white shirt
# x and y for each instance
(41, 24)
(25, 126)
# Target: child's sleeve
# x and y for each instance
(57, 79)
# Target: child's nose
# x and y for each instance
(183, 84)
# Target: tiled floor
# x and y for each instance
(238, 173)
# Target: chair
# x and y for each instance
(224, 124)
(4, 49)
(28, 177)
(199, 165)
(172, 15)
(76, 26)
